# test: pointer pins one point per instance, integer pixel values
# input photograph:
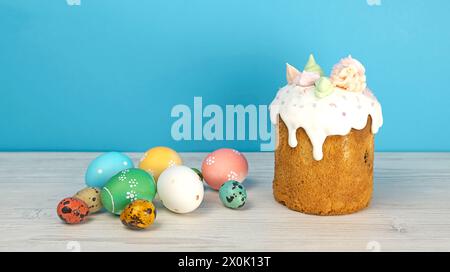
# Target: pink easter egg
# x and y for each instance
(223, 165)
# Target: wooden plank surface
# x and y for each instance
(410, 211)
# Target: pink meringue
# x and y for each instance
(349, 75)
(304, 79)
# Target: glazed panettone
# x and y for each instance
(325, 139)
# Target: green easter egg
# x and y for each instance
(198, 172)
(125, 187)
(233, 194)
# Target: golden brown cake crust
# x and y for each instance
(340, 183)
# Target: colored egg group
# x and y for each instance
(139, 214)
(222, 165)
(90, 196)
(72, 210)
(180, 189)
(158, 159)
(102, 168)
(233, 194)
(114, 184)
(125, 187)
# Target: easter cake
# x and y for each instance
(325, 139)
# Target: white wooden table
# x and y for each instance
(410, 211)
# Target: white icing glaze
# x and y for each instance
(335, 114)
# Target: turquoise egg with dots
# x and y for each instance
(233, 194)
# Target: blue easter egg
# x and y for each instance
(105, 166)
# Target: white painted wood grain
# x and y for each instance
(410, 211)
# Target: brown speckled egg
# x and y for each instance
(72, 210)
(91, 196)
(139, 214)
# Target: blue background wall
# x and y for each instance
(106, 74)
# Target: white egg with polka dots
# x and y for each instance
(180, 189)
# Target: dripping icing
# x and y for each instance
(335, 114)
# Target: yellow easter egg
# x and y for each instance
(158, 159)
